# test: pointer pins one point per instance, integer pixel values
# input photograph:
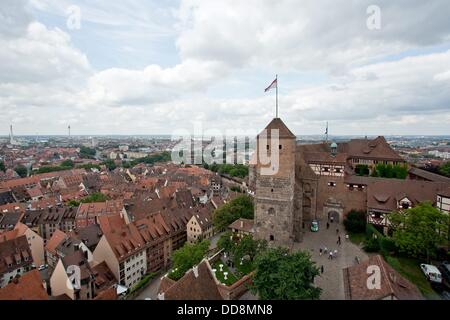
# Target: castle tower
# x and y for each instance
(275, 181)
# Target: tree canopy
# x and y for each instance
(21, 170)
(390, 171)
(355, 221)
(445, 169)
(239, 207)
(2, 166)
(186, 257)
(241, 247)
(94, 197)
(280, 275)
(420, 230)
(234, 170)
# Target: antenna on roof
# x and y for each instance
(69, 130)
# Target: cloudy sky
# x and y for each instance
(152, 67)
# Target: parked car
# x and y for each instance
(314, 226)
(42, 267)
(432, 273)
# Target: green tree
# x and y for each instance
(362, 170)
(21, 170)
(2, 166)
(283, 276)
(186, 257)
(110, 164)
(239, 207)
(67, 163)
(225, 242)
(86, 152)
(355, 221)
(445, 169)
(420, 230)
(248, 247)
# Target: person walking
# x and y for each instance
(335, 253)
(325, 250)
(328, 225)
(320, 251)
(339, 240)
(337, 231)
(330, 256)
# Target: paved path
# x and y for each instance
(331, 281)
(151, 291)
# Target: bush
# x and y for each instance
(372, 245)
(355, 221)
(362, 170)
(387, 245)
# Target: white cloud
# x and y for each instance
(47, 82)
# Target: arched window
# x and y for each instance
(272, 238)
(271, 211)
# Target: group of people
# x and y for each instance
(331, 253)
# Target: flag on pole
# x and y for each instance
(274, 84)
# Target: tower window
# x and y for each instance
(280, 147)
(267, 147)
(271, 211)
(271, 238)
(271, 190)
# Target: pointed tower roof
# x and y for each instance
(283, 130)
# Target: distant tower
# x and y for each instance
(326, 133)
(275, 220)
(69, 130)
(11, 135)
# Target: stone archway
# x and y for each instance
(333, 208)
(333, 215)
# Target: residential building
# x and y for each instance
(15, 259)
(200, 226)
(242, 227)
(35, 241)
(443, 200)
(88, 213)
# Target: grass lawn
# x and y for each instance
(357, 238)
(409, 268)
(231, 278)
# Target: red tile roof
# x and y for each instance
(28, 287)
(392, 284)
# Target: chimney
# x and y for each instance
(242, 223)
(195, 270)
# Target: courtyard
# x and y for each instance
(331, 281)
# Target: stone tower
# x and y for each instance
(275, 181)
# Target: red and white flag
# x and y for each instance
(272, 85)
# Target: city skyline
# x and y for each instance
(152, 67)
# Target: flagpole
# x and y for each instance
(276, 79)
